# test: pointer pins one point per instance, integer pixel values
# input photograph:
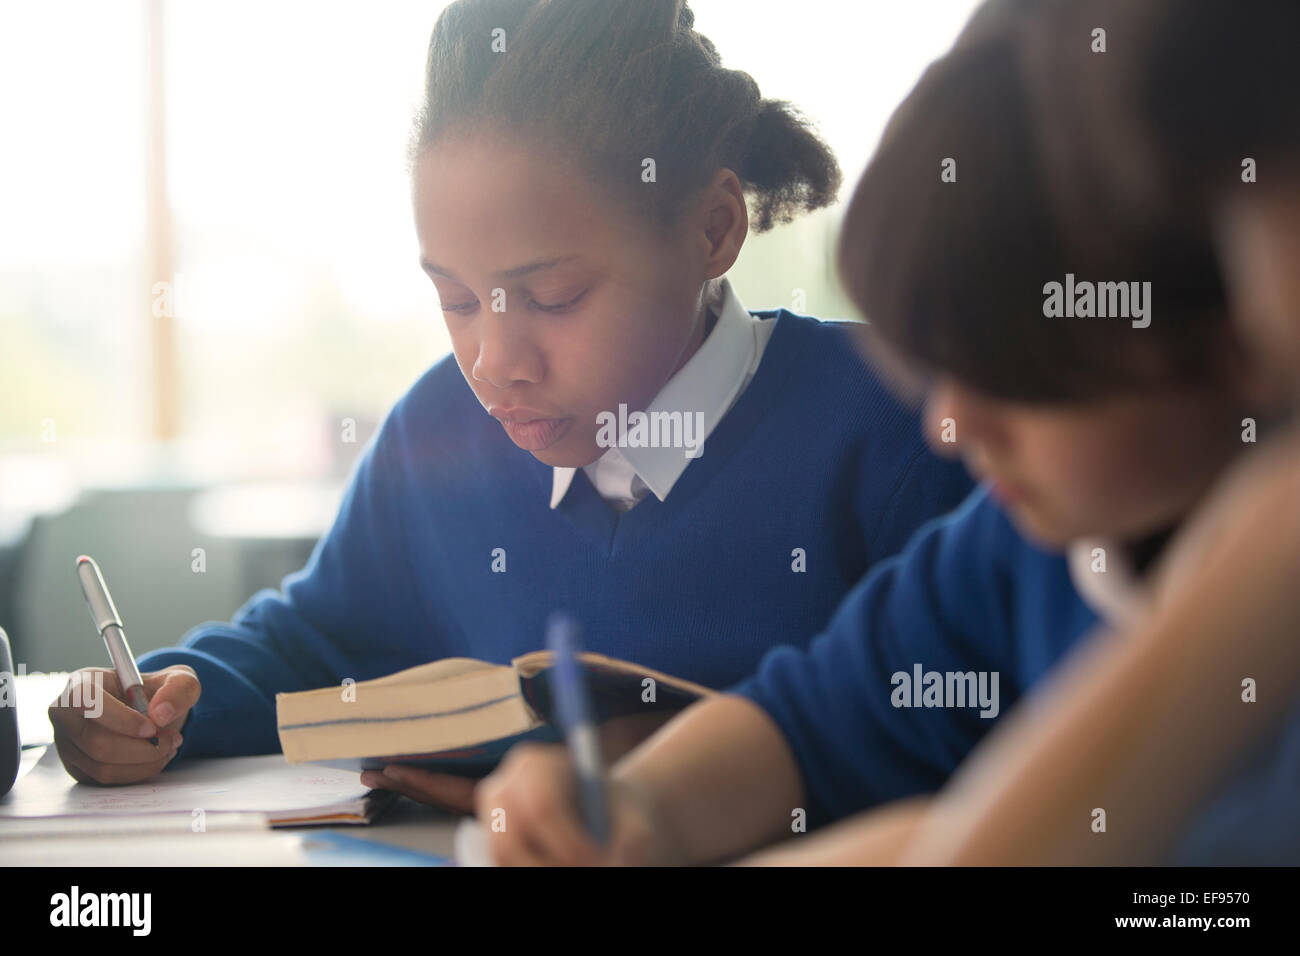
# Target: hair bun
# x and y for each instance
(685, 17)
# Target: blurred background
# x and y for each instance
(209, 289)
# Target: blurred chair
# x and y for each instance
(143, 540)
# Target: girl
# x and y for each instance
(582, 172)
(1096, 436)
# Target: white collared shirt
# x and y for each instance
(709, 383)
(1117, 594)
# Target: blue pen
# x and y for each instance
(573, 707)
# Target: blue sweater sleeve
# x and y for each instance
(943, 603)
(343, 615)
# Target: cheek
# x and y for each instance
(1128, 481)
(625, 357)
(1074, 494)
(1080, 476)
(1083, 476)
(582, 360)
(1128, 472)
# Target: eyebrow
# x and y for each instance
(526, 269)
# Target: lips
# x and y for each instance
(1006, 493)
(530, 429)
(1003, 490)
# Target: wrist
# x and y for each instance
(665, 847)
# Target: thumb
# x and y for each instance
(172, 692)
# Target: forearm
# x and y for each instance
(1143, 723)
(721, 778)
(874, 838)
(622, 735)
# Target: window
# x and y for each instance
(294, 297)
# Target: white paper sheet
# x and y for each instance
(264, 784)
(471, 844)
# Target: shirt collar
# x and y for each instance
(1115, 594)
(708, 383)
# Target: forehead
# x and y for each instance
(486, 202)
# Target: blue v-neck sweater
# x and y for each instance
(969, 595)
(814, 475)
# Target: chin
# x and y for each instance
(560, 455)
(1040, 530)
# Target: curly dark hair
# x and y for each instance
(612, 82)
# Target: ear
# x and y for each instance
(722, 219)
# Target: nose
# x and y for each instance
(506, 356)
(958, 421)
(940, 419)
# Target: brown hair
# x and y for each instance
(611, 82)
(1188, 90)
(951, 275)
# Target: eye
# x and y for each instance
(454, 297)
(460, 307)
(561, 307)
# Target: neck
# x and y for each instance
(705, 319)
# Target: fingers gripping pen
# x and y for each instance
(577, 719)
(109, 626)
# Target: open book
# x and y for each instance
(460, 715)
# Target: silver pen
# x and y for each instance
(109, 626)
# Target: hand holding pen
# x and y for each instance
(558, 806)
(114, 725)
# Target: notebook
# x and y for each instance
(287, 795)
(459, 715)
